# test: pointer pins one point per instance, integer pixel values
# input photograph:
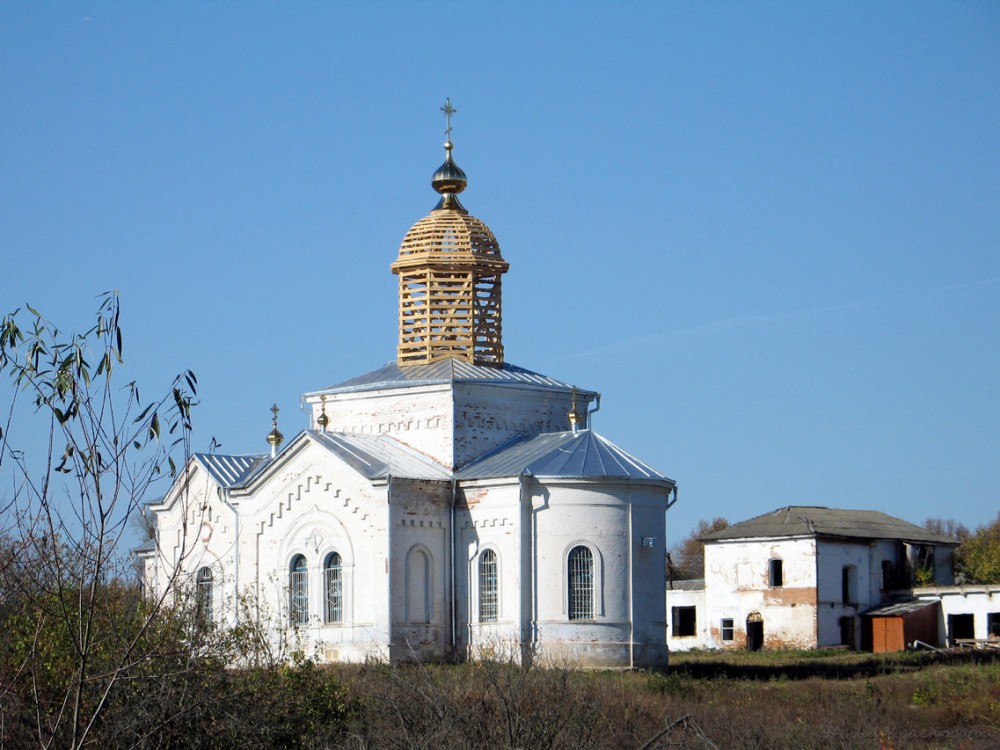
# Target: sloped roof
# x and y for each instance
(449, 370)
(564, 455)
(899, 608)
(584, 455)
(686, 584)
(380, 456)
(230, 471)
(806, 520)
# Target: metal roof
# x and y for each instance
(584, 455)
(805, 520)
(380, 456)
(145, 548)
(899, 608)
(686, 584)
(230, 470)
(449, 370)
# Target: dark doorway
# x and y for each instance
(961, 626)
(755, 632)
(847, 632)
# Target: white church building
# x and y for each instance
(446, 504)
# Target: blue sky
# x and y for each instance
(767, 232)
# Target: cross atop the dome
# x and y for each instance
(274, 411)
(448, 112)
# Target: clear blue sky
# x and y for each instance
(768, 233)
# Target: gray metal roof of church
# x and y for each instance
(807, 520)
(448, 370)
(230, 470)
(380, 456)
(584, 455)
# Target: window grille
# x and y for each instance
(581, 584)
(298, 591)
(203, 597)
(334, 585)
(488, 593)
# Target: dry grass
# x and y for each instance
(907, 702)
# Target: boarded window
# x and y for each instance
(727, 628)
(775, 573)
(684, 621)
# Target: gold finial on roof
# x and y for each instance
(323, 420)
(574, 413)
(448, 112)
(449, 179)
(450, 269)
(274, 437)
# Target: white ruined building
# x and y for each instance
(804, 577)
(446, 503)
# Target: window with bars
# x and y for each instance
(333, 583)
(203, 597)
(298, 591)
(581, 584)
(488, 589)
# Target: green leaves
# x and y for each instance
(979, 555)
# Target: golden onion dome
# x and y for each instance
(274, 437)
(449, 180)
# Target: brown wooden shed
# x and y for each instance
(893, 627)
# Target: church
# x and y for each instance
(446, 506)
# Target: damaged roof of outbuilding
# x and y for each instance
(899, 608)
(807, 520)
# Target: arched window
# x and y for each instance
(298, 591)
(333, 584)
(203, 597)
(488, 591)
(581, 583)
(418, 586)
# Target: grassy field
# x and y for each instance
(808, 699)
